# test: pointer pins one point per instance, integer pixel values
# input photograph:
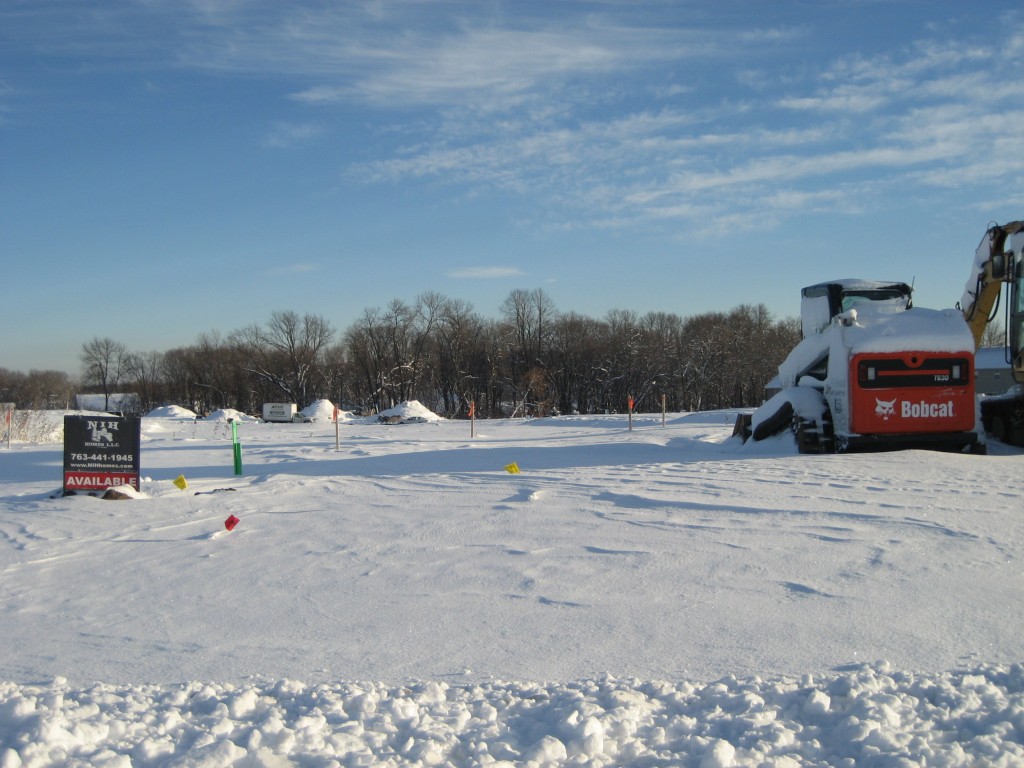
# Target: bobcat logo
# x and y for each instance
(885, 408)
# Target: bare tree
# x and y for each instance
(439, 351)
(177, 372)
(145, 370)
(218, 372)
(338, 375)
(575, 352)
(994, 334)
(703, 360)
(392, 350)
(103, 365)
(456, 335)
(662, 332)
(410, 334)
(12, 387)
(530, 317)
(285, 353)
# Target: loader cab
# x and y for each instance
(1016, 322)
(822, 302)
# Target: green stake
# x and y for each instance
(237, 446)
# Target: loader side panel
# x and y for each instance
(912, 393)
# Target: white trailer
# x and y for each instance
(280, 412)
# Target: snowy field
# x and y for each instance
(664, 596)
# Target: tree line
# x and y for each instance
(532, 360)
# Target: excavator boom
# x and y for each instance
(998, 261)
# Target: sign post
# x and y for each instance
(630, 413)
(101, 452)
(472, 418)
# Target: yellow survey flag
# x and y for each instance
(181, 482)
(512, 469)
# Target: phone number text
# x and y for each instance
(125, 457)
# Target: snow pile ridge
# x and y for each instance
(411, 409)
(323, 410)
(229, 414)
(866, 715)
(171, 412)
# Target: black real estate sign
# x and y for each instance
(101, 452)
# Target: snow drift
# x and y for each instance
(660, 596)
(863, 717)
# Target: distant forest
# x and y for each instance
(532, 360)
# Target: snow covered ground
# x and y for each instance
(655, 597)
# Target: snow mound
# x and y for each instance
(171, 412)
(409, 411)
(868, 715)
(323, 410)
(229, 414)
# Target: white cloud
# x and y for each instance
(284, 134)
(390, 54)
(843, 101)
(554, 102)
(321, 94)
(929, 112)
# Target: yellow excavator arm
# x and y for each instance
(994, 265)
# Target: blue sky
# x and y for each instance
(171, 168)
